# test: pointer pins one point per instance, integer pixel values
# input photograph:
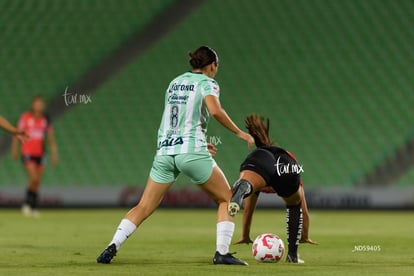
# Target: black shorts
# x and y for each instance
(265, 163)
(38, 160)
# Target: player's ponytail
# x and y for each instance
(202, 57)
(257, 128)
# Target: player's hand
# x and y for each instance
(22, 136)
(246, 137)
(246, 240)
(308, 240)
(212, 149)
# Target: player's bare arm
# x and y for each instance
(306, 222)
(249, 208)
(19, 134)
(15, 148)
(4, 124)
(53, 146)
(218, 113)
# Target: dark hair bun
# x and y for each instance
(195, 61)
(202, 57)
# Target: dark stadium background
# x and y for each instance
(336, 79)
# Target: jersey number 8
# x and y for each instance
(174, 116)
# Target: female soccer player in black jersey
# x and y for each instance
(271, 169)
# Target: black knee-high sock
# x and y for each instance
(294, 228)
(31, 199)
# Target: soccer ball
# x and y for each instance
(268, 248)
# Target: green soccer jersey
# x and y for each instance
(184, 121)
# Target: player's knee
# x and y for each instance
(293, 202)
(222, 199)
(34, 183)
(225, 196)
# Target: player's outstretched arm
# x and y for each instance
(306, 221)
(15, 148)
(4, 124)
(249, 206)
(19, 134)
(53, 147)
(218, 113)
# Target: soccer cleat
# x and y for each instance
(35, 213)
(29, 212)
(241, 189)
(233, 208)
(227, 259)
(26, 210)
(294, 259)
(107, 255)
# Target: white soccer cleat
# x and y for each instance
(35, 214)
(26, 210)
(296, 260)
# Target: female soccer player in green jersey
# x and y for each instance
(190, 99)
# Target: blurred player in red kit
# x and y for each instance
(37, 125)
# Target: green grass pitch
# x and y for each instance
(182, 242)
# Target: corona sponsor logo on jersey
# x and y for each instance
(181, 87)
